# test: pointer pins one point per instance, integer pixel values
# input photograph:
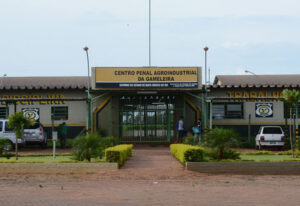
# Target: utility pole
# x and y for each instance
(149, 33)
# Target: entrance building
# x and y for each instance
(143, 104)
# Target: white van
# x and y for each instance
(9, 134)
(270, 136)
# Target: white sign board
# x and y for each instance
(31, 113)
(54, 136)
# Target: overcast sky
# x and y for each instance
(46, 37)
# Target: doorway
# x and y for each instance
(146, 118)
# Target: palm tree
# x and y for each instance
(18, 122)
(291, 98)
(222, 140)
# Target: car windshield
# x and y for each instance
(35, 126)
(272, 130)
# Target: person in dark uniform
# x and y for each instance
(63, 134)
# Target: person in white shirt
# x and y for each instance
(180, 129)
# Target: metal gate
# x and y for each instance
(146, 118)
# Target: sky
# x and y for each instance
(46, 37)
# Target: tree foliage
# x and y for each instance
(222, 139)
(291, 98)
(18, 122)
(87, 147)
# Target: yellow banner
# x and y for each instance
(146, 74)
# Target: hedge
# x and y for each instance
(119, 153)
(187, 153)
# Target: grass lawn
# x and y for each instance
(44, 159)
(269, 158)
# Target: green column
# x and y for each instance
(110, 116)
(7, 111)
(91, 113)
(202, 111)
(87, 116)
(210, 115)
(183, 111)
(205, 113)
(169, 124)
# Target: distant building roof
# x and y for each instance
(229, 81)
(70, 82)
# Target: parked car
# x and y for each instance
(9, 134)
(35, 135)
(270, 136)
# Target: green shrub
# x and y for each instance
(87, 147)
(289, 152)
(262, 152)
(185, 153)
(190, 140)
(7, 155)
(101, 132)
(2, 145)
(119, 153)
(69, 143)
(222, 139)
(228, 154)
(109, 141)
(297, 153)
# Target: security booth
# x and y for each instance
(143, 104)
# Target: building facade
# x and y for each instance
(143, 104)
(246, 102)
(49, 100)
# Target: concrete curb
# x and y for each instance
(54, 168)
(249, 168)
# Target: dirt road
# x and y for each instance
(151, 177)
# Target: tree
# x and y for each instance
(291, 98)
(222, 140)
(87, 147)
(18, 122)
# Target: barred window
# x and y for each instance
(3, 112)
(218, 111)
(234, 111)
(227, 111)
(59, 113)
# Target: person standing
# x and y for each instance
(180, 129)
(63, 134)
(197, 131)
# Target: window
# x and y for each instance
(1, 126)
(218, 111)
(234, 111)
(7, 129)
(287, 110)
(59, 113)
(272, 130)
(227, 111)
(3, 113)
